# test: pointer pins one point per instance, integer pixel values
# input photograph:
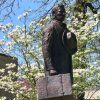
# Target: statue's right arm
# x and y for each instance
(47, 42)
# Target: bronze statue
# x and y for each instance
(58, 44)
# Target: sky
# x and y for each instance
(23, 6)
(26, 5)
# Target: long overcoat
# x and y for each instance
(58, 47)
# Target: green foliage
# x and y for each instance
(86, 60)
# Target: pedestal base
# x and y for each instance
(57, 87)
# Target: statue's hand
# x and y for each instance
(71, 40)
(69, 35)
(52, 72)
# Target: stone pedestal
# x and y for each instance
(57, 87)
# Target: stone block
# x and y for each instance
(57, 87)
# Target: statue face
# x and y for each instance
(60, 13)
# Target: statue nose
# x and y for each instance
(59, 10)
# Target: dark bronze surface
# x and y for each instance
(58, 44)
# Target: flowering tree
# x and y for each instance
(86, 61)
(24, 43)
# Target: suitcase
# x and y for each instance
(57, 87)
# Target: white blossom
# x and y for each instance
(19, 17)
(2, 70)
(2, 42)
(10, 65)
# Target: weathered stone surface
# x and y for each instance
(54, 87)
(41, 87)
(57, 87)
(66, 82)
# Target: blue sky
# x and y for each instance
(25, 5)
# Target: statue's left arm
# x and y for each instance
(71, 43)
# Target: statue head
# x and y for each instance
(58, 12)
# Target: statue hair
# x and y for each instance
(55, 8)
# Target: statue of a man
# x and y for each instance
(58, 44)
